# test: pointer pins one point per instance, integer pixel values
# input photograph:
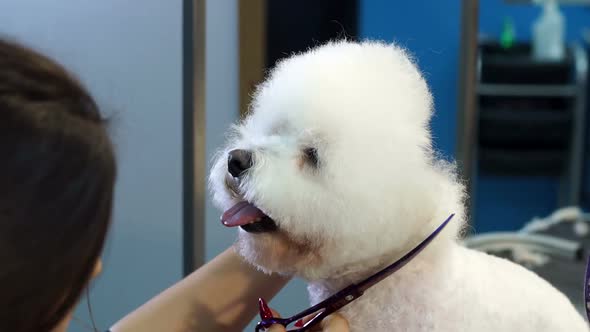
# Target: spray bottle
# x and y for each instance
(548, 33)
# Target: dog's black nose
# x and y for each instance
(238, 162)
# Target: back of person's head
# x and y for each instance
(57, 172)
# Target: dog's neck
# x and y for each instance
(433, 256)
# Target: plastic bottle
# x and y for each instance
(548, 33)
(507, 38)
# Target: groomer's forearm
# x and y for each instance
(220, 296)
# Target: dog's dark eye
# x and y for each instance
(311, 156)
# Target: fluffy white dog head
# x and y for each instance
(337, 154)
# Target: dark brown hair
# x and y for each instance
(57, 172)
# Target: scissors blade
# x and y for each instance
(371, 281)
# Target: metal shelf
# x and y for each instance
(575, 89)
(518, 90)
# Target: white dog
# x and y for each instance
(333, 176)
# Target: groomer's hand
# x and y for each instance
(332, 323)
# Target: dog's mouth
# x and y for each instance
(249, 218)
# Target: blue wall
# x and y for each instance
(431, 30)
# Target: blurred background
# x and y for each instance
(508, 77)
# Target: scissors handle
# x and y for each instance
(322, 310)
(266, 323)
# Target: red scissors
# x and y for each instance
(346, 295)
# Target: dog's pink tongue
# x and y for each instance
(240, 214)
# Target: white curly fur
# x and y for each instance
(379, 190)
